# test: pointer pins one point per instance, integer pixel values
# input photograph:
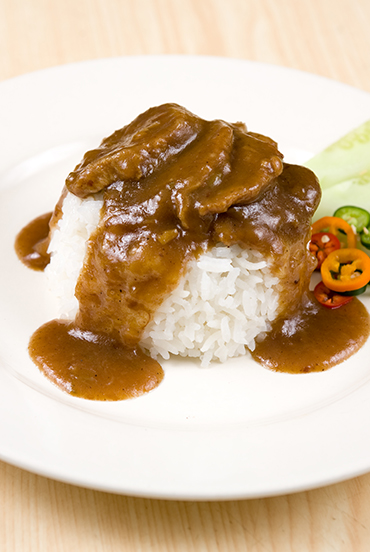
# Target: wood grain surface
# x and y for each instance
(326, 37)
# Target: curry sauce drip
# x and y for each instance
(174, 185)
(314, 338)
(92, 366)
(32, 242)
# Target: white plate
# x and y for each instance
(226, 432)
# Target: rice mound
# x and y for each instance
(224, 303)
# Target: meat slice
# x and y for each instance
(136, 150)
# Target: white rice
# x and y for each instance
(68, 248)
(225, 302)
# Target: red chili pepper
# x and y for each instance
(329, 298)
(321, 244)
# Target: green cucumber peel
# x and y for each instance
(343, 170)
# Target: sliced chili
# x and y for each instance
(329, 298)
(336, 226)
(346, 270)
(321, 244)
(354, 292)
(355, 216)
(365, 237)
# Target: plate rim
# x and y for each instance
(57, 474)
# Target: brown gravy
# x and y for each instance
(92, 366)
(314, 338)
(174, 185)
(32, 242)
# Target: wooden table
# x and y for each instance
(326, 37)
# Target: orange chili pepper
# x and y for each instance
(336, 226)
(346, 269)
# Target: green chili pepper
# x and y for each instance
(354, 292)
(365, 237)
(355, 216)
